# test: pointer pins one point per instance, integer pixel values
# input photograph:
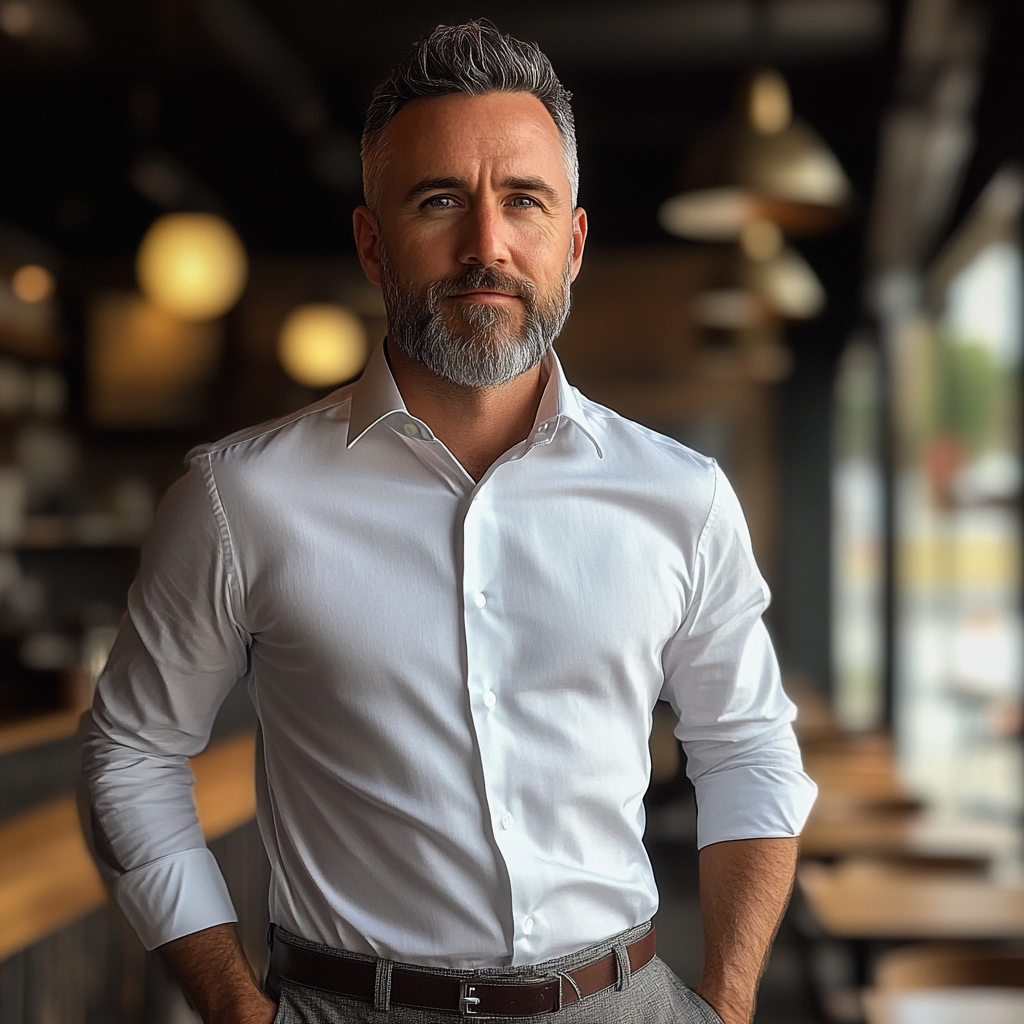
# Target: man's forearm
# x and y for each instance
(744, 888)
(215, 975)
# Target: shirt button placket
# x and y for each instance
(482, 616)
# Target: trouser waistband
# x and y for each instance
(513, 992)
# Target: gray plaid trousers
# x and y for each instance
(652, 995)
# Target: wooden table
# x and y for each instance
(857, 899)
(857, 771)
(47, 878)
(37, 729)
(853, 831)
(946, 1006)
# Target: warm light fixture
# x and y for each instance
(192, 265)
(17, 19)
(790, 286)
(322, 344)
(761, 240)
(767, 282)
(759, 163)
(33, 283)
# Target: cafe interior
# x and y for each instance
(804, 261)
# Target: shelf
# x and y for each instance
(47, 878)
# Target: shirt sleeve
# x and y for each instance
(722, 679)
(178, 653)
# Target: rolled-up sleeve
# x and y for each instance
(722, 679)
(178, 653)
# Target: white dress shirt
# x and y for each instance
(454, 680)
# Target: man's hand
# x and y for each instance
(744, 888)
(215, 975)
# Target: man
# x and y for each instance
(456, 590)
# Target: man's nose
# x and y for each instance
(484, 241)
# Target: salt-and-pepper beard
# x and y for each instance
(474, 345)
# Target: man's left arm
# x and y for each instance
(722, 679)
(745, 885)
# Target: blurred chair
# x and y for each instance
(947, 984)
(815, 719)
(939, 965)
(857, 771)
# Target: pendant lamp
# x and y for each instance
(766, 281)
(322, 344)
(192, 265)
(759, 164)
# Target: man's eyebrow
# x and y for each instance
(517, 183)
(530, 183)
(433, 185)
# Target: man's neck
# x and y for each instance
(477, 425)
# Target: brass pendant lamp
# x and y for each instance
(764, 282)
(759, 163)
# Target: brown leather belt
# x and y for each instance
(480, 996)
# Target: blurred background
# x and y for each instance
(804, 261)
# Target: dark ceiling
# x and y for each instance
(254, 106)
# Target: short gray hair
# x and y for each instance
(475, 59)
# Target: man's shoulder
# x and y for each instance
(629, 441)
(328, 417)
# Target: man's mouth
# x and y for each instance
(485, 294)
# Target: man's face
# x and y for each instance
(476, 241)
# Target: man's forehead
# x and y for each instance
(433, 135)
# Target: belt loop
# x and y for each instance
(622, 960)
(382, 985)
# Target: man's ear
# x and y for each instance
(367, 234)
(579, 240)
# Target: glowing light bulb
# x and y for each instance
(770, 110)
(192, 265)
(761, 239)
(17, 19)
(32, 283)
(322, 344)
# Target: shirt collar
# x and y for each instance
(562, 401)
(375, 396)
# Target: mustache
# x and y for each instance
(482, 279)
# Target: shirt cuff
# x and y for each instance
(174, 896)
(752, 803)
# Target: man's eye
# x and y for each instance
(524, 202)
(440, 203)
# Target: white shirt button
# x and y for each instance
(507, 821)
(479, 600)
(528, 926)
(411, 429)
(490, 699)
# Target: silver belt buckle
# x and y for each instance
(468, 1001)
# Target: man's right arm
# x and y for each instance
(178, 653)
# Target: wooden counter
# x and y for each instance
(852, 831)
(47, 878)
(946, 1006)
(874, 900)
(31, 732)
